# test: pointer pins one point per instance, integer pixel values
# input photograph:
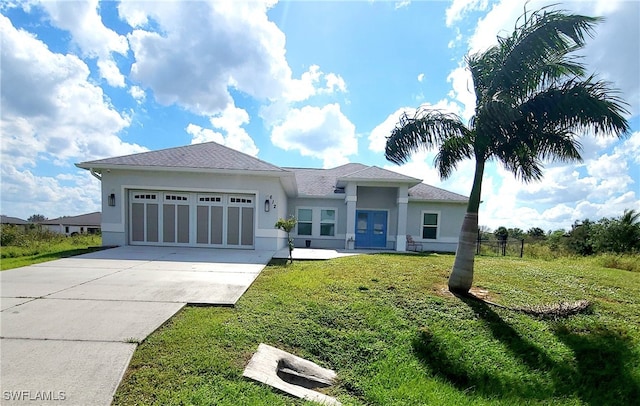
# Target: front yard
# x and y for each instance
(387, 326)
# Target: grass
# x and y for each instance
(395, 337)
(34, 251)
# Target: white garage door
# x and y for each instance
(191, 219)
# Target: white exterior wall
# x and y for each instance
(115, 230)
(450, 216)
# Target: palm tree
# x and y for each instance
(533, 101)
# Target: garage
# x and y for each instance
(219, 220)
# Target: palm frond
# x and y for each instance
(427, 129)
(537, 52)
(578, 106)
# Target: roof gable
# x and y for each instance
(208, 155)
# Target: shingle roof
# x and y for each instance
(208, 155)
(375, 173)
(13, 220)
(89, 219)
(432, 193)
(323, 182)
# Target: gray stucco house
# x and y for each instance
(208, 195)
(83, 224)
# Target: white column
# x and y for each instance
(350, 199)
(403, 200)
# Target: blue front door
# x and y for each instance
(371, 229)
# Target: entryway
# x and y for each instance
(371, 229)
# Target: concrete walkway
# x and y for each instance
(68, 328)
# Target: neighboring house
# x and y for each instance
(82, 224)
(14, 221)
(208, 195)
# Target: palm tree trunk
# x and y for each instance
(461, 277)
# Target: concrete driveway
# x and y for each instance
(69, 327)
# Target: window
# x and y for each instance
(429, 226)
(305, 221)
(328, 222)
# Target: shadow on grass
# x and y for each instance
(599, 373)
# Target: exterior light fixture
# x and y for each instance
(111, 199)
(268, 202)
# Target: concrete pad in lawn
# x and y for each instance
(9, 302)
(65, 372)
(89, 320)
(34, 281)
(165, 286)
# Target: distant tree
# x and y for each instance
(580, 239)
(484, 232)
(556, 238)
(36, 218)
(287, 225)
(619, 235)
(501, 234)
(536, 233)
(516, 233)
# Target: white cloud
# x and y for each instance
(138, 94)
(24, 193)
(68, 117)
(420, 77)
(308, 85)
(459, 8)
(94, 39)
(462, 90)
(229, 121)
(402, 3)
(320, 132)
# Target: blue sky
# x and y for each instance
(310, 84)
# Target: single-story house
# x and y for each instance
(70, 225)
(13, 221)
(208, 195)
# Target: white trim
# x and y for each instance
(351, 199)
(422, 225)
(402, 200)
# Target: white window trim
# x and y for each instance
(316, 222)
(305, 222)
(422, 225)
(334, 222)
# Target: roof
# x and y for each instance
(90, 219)
(13, 220)
(323, 182)
(423, 191)
(373, 173)
(208, 155)
(301, 181)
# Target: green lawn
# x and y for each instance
(395, 337)
(34, 251)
